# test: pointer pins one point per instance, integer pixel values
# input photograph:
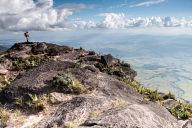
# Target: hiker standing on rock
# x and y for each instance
(26, 34)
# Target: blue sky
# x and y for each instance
(177, 8)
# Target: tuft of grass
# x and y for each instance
(181, 111)
(17, 112)
(19, 101)
(149, 94)
(71, 124)
(3, 82)
(67, 83)
(95, 114)
(118, 103)
(35, 102)
(52, 100)
(31, 101)
(4, 117)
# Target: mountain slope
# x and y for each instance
(58, 86)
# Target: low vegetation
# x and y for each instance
(95, 114)
(124, 64)
(67, 83)
(31, 101)
(118, 103)
(35, 102)
(71, 124)
(3, 82)
(181, 111)
(30, 62)
(149, 94)
(4, 117)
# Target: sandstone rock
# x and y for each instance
(91, 53)
(126, 117)
(3, 70)
(170, 103)
(18, 55)
(39, 48)
(21, 47)
(91, 68)
(35, 80)
(54, 50)
(5, 63)
(91, 58)
(185, 123)
(108, 60)
(60, 97)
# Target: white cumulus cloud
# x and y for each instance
(112, 20)
(115, 21)
(23, 15)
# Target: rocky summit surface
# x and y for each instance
(48, 86)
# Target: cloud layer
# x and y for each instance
(113, 21)
(41, 15)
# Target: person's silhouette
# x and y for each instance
(26, 34)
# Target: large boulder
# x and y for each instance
(39, 48)
(55, 50)
(34, 81)
(185, 123)
(108, 60)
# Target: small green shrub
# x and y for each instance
(124, 64)
(67, 83)
(3, 82)
(30, 101)
(181, 111)
(35, 102)
(155, 97)
(148, 94)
